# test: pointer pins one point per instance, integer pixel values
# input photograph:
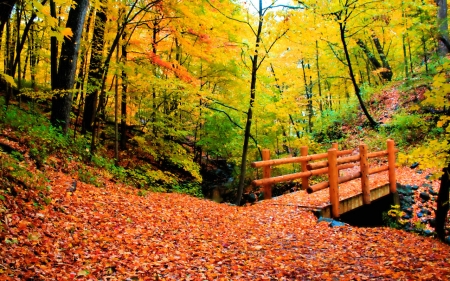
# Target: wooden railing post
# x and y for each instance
(333, 174)
(391, 164)
(364, 166)
(266, 174)
(305, 180)
(335, 145)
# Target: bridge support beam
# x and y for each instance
(305, 180)
(364, 166)
(266, 174)
(333, 175)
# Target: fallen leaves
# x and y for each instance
(111, 233)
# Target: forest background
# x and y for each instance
(161, 92)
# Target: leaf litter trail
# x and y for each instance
(110, 233)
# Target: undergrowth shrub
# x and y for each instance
(407, 128)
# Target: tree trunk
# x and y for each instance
(95, 70)
(248, 124)
(387, 71)
(385, 75)
(123, 121)
(443, 204)
(116, 113)
(62, 103)
(6, 7)
(53, 50)
(372, 122)
(442, 24)
(318, 78)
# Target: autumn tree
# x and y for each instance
(343, 13)
(260, 51)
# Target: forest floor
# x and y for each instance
(115, 232)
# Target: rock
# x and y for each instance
(425, 196)
(425, 212)
(432, 192)
(333, 223)
(337, 223)
(409, 211)
(414, 165)
(321, 219)
(405, 190)
(427, 185)
(419, 215)
(428, 176)
(427, 232)
(414, 187)
(432, 222)
(447, 240)
(419, 172)
(406, 217)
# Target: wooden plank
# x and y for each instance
(364, 167)
(305, 180)
(325, 184)
(342, 160)
(275, 162)
(378, 170)
(391, 164)
(266, 174)
(289, 177)
(356, 201)
(379, 153)
(333, 175)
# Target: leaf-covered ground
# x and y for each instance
(111, 233)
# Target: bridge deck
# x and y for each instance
(350, 195)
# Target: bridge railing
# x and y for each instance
(334, 162)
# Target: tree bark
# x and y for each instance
(443, 203)
(442, 24)
(123, 121)
(53, 50)
(6, 7)
(62, 103)
(95, 70)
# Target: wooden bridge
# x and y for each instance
(335, 161)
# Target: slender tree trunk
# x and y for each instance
(318, 78)
(387, 71)
(123, 124)
(248, 124)
(62, 103)
(9, 55)
(442, 24)
(405, 57)
(372, 122)
(53, 50)
(116, 113)
(443, 204)
(308, 98)
(425, 55)
(18, 50)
